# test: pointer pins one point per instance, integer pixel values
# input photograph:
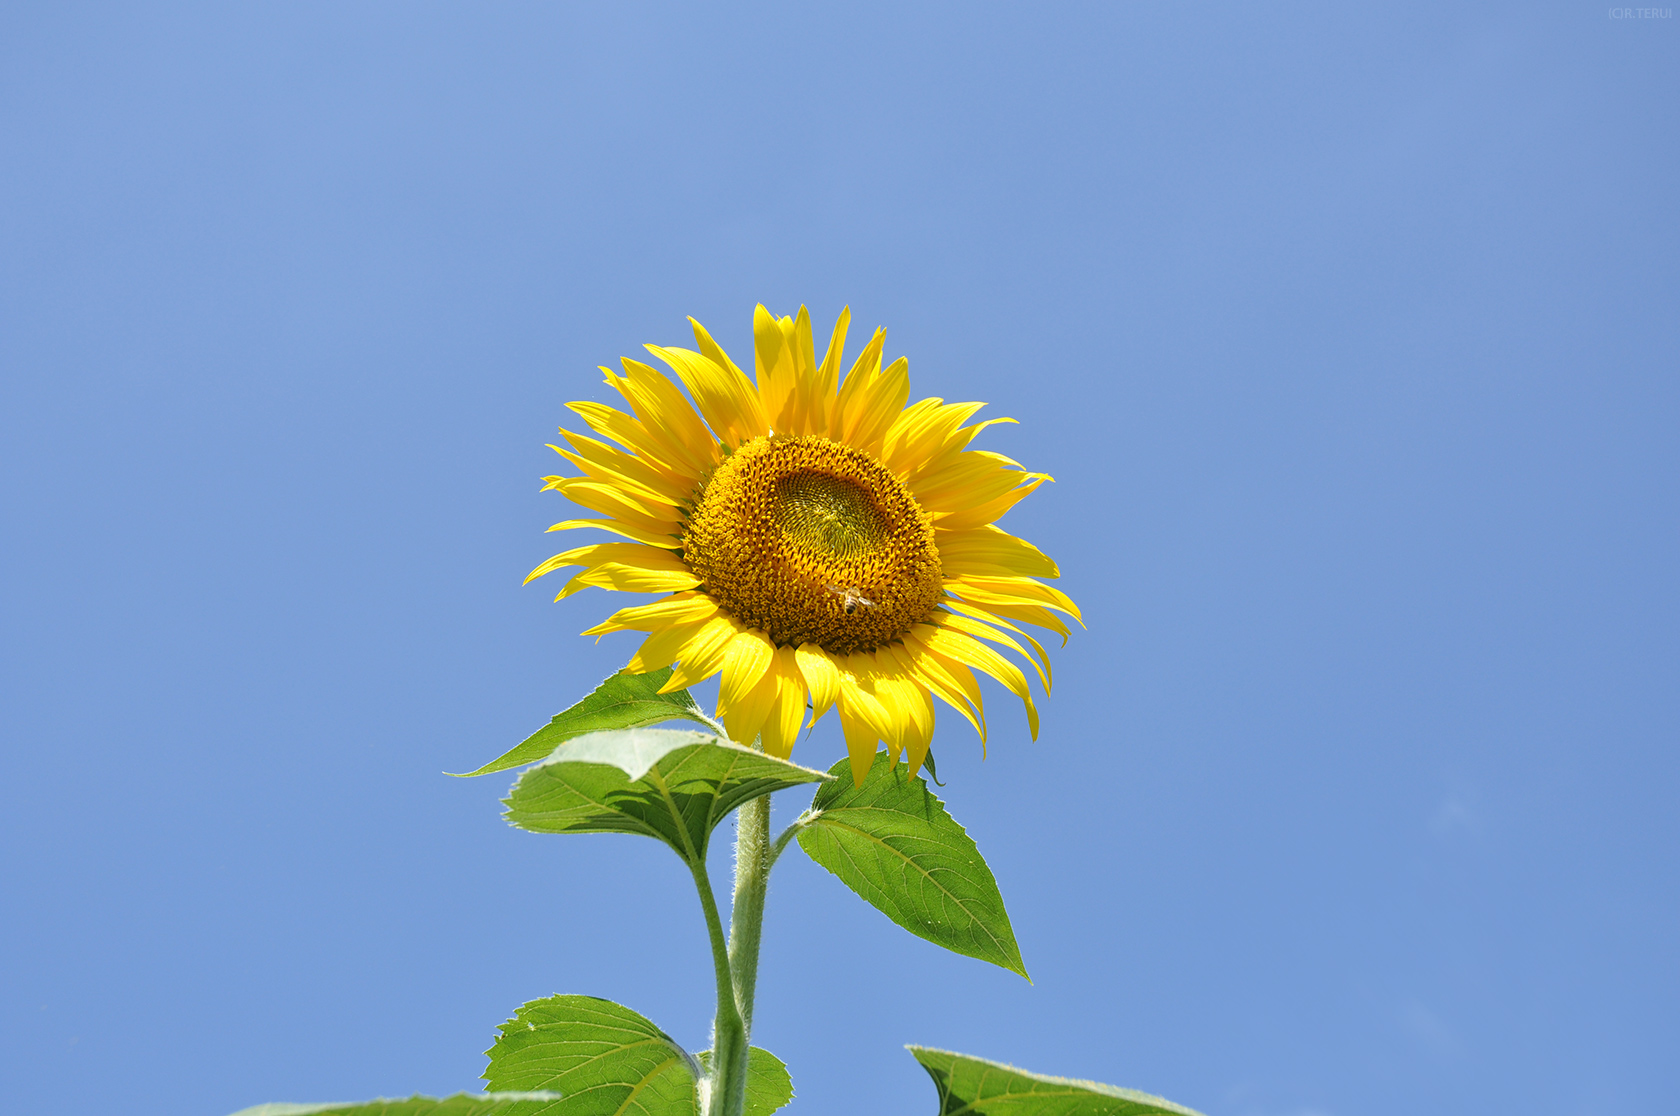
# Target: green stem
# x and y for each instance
(729, 1033)
(739, 971)
(746, 919)
(787, 835)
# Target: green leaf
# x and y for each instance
(975, 1087)
(461, 1104)
(622, 701)
(892, 842)
(662, 783)
(769, 1085)
(605, 1060)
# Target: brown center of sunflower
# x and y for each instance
(814, 542)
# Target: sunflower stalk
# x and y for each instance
(729, 1034)
(753, 857)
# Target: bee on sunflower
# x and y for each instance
(819, 542)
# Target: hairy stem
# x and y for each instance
(787, 835)
(746, 920)
(729, 1033)
(740, 960)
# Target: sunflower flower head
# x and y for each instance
(815, 541)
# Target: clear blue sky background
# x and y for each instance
(1350, 333)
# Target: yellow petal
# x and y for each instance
(909, 712)
(629, 579)
(986, 617)
(969, 651)
(880, 685)
(608, 462)
(918, 730)
(619, 527)
(993, 509)
(920, 430)
(751, 407)
(661, 648)
(1027, 614)
(610, 500)
(915, 663)
(665, 413)
(973, 477)
(748, 689)
(827, 380)
(952, 681)
(750, 720)
(787, 711)
(861, 737)
(822, 678)
(848, 400)
(990, 550)
(886, 396)
(973, 627)
(863, 719)
(958, 439)
(683, 609)
(577, 556)
(809, 405)
(727, 400)
(805, 349)
(600, 474)
(659, 454)
(702, 655)
(775, 366)
(628, 566)
(987, 591)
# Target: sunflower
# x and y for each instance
(818, 542)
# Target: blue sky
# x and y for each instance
(1348, 331)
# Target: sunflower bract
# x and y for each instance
(816, 541)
